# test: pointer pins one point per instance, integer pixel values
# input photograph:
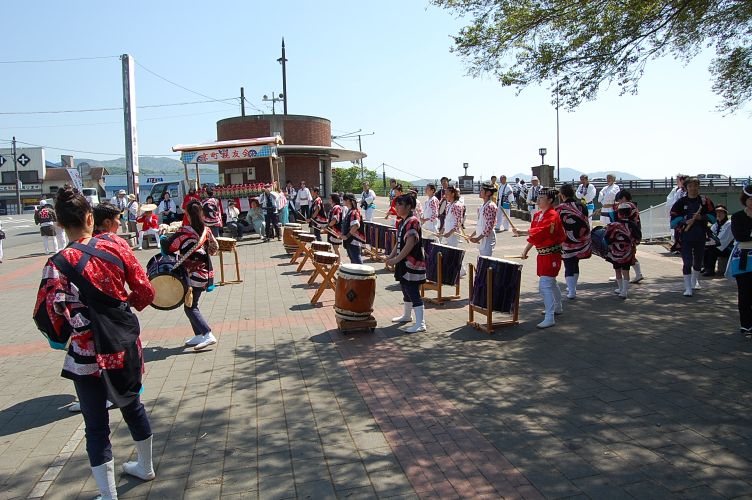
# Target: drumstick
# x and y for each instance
(509, 220)
(513, 256)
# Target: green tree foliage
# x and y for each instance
(349, 180)
(584, 44)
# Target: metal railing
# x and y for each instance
(655, 222)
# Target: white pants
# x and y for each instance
(487, 245)
(62, 239)
(605, 217)
(1, 250)
(46, 240)
(452, 241)
(369, 214)
(501, 221)
(430, 226)
(549, 290)
(533, 210)
(141, 234)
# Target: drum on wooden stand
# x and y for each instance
(327, 258)
(307, 237)
(321, 246)
(170, 284)
(495, 287)
(288, 237)
(507, 276)
(355, 292)
(226, 244)
(451, 263)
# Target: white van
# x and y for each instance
(177, 190)
(91, 196)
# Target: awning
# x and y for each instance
(240, 149)
(335, 154)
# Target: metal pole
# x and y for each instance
(129, 118)
(362, 170)
(19, 209)
(383, 176)
(242, 101)
(558, 165)
(283, 60)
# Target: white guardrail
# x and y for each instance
(655, 222)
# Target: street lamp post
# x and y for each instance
(542, 152)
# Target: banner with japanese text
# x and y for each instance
(228, 154)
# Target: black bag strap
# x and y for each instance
(90, 250)
(84, 285)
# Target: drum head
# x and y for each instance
(169, 292)
(357, 269)
(293, 225)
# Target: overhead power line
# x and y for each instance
(167, 117)
(402, 171)
(180, 86)
(109, 109)
(30, 61)
(80, 151)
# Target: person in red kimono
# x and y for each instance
(192, 195)
(392, 210)
(318, 214)
(546, 235)
(84, 307)
(622, 236)
(149, 224)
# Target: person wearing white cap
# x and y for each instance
(484, 229)
(45, 218)
(532, 197)
(131, 214)
(505, 197)
(120, 201)
(586, 194)
(607, 197)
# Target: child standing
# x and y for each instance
(149, 224)
(622, 237)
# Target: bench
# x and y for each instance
(130, 237)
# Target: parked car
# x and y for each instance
(714, 180)
(91, 196)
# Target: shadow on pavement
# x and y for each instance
(33, 413)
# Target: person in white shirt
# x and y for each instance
(120, 201)
(505, 198)
(586, 194)
(291, 193)
(268, 201)
(606, 198)
(453, 221)
(167, 208)
(718, 245)
(430, 210)
(304, 199)
(232, 220)
(367, 202)
(532, 197)
(484, 229)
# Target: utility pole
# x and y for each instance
(129, 118)
(350, 135)
(558, 165)
(242, 101)
(283, 60)
(19, 210)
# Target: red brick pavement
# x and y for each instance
(440, 451)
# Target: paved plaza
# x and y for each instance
(644, 398)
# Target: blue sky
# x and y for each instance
(382, 67)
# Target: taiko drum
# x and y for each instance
(288, 237)
(355, 292)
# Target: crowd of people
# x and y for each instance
(91, 286)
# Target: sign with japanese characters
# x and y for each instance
(228, 154)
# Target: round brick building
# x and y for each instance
(306, 154)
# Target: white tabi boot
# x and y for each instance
(558, 306)
(687, 285)
(104, 476)
(545, 287)
(695, 280)
(618, 286)
(406, 315)
(638, 273)
(143, 467)
(624, 289)
(420, 324)
(571, 286)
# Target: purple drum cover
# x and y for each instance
(598, 242)
(451, 262)
(506, 283)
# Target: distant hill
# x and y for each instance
(146, 164)
(570, 174)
